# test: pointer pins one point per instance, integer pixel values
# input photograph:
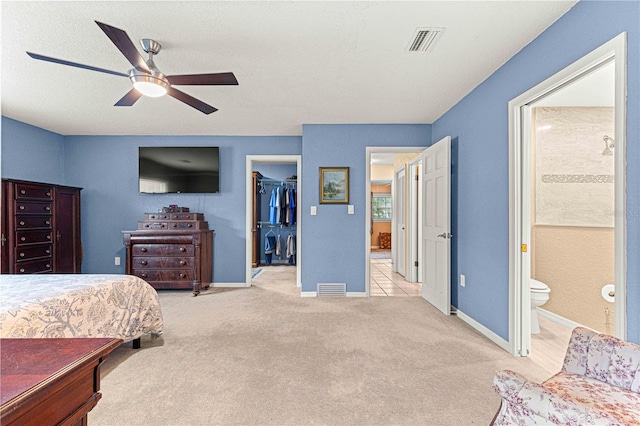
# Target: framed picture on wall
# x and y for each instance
(334, 185)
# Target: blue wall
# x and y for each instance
(479, 124)
(31, 153)
(107, 168)
(333, 241)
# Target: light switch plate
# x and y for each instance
(350, 209)
(314, 210)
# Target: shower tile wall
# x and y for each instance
(572, 236)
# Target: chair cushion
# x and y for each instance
(619, 403)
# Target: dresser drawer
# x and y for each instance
(24, 254)
(34, 192)
(187, 216)
(163, 250)
(163, 262)
(157, 216)
(33, 237)
(165, 275)
(152, 225)
(32, 207)
(34, 267)
(30, 222)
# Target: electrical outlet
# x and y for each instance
(462, 281)
(117, 261)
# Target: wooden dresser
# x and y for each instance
(40, 228)
(51, 381)
(171, 251)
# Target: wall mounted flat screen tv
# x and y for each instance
(179, 170)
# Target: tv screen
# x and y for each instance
(179, 170)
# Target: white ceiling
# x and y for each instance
(296, 62)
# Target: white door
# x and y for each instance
(399, 213)
(436, 234)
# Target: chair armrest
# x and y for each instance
(531, 400)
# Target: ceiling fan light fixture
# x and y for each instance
(150, 85)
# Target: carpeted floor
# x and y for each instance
(265, 356)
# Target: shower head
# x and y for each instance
(609, 144)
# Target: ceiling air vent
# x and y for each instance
(424, 39)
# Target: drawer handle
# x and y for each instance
(153, 216)
(143, 262)
(22, 191)
(21, 254)
(21, 207)
(47, 222)
(143, 275)
(188, 217)
(48, 194)
(182, 262)
(48, 237)
(182, 249)
(22, 223)
(190, 225)
(48, 265)
(175, 225)
(47, 251)
(146, 225)
(22, 270)
(47, 208)
(23, 238)
(143, 249)
(183, 275)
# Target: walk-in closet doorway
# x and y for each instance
(277, 175)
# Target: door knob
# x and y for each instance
(445, 235)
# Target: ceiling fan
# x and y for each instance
(146, 77)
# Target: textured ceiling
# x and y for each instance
(296, 62)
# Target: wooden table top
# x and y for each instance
(27, 363)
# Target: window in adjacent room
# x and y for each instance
(381, 204)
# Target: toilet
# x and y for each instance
(539, 296)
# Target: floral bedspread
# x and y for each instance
(78, 305)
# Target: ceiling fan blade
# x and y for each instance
(191, 101)
(223, 78)
(130, 98)
(74, 64)
(125, 45)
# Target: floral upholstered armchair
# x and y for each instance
(599, 384)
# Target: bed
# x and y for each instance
(78, 305)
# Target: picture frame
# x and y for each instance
(334, 185)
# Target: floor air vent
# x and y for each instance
(332, 289)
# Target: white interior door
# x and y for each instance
(436, 234)
(401, 226)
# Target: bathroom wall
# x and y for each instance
(572, 237)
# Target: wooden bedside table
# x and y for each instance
(51, 381)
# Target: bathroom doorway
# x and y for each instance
(566, 183)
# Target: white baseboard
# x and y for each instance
(229, 285)
(309, 294)
(558, 319)
(356, 294)
(484, 330)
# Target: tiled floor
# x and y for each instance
(385, 282)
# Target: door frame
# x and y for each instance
(367, 219)
(398, 198)
(251, 161)
(519, 149)
(414, 224)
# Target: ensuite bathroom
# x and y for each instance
(572, 218)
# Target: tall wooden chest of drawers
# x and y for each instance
(171, 251)
(40, 228)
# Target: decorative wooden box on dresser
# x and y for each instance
(171, 251)
(40, 228)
